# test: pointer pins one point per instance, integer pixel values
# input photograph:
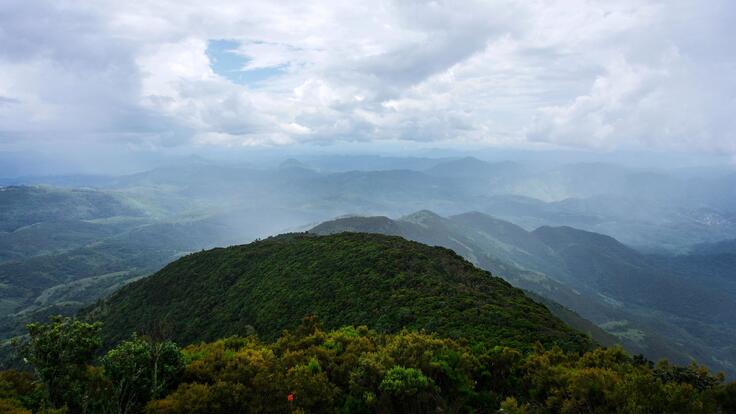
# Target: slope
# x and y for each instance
(616, 270)
(660, 311)
(495, 245)
(350, 278)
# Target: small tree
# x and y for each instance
(61, 352)
(141, 369)
(408, 390)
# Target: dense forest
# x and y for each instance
(351, 369)
(385, 282)
(674, 307)
(350, 322)
(402, 206)
(64, 246)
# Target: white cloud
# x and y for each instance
(566, 72)
(616, 97)
(671, 104)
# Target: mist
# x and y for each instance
(91, 232)
(583, 152)
(652, 200)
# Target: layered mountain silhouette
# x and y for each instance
(644, 300)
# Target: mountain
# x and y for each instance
(71, 246)
(473, 168)
(661, 306)
(429, 228)
(657, 209)
(379, 225)
(484, 240)
(610, 267)
(711, 264)
(577, 322)
(726, 247)
(353, 162)
(293, 163)
(62, 249)
(79, 276)
(382, 281)
(24, 206)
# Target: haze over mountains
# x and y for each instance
(644, 254)
(422, 206)
(653, 304)
(641, 207)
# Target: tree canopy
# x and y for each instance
(385, 282)
(351, 369)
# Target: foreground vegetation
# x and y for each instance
(352, 369)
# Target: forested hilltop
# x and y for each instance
(350, 322)
(675, 307)
(385, 282)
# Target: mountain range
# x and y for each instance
(651, 303)
(661, 283)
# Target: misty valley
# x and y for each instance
(387, 207)
(643, 259)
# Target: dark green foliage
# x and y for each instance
(575, 321)
(61, 352)
(678, 308)
(44, 284)
(386, 282)
(407, 390)
(18, 390)
(352, 369)
(727, 397)
(140, 369)
(69, 378)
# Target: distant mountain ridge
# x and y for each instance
(69, 247)
(640, 298)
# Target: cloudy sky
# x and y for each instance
(599, 75)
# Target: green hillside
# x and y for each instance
(654, 305)
(23, 206)
(616, 270)
(509, 247)
(385, 282)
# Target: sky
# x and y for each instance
(104, 76)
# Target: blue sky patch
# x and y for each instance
(228, 63)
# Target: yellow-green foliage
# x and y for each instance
(350, 370)
(17, 390)
(360, 370)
